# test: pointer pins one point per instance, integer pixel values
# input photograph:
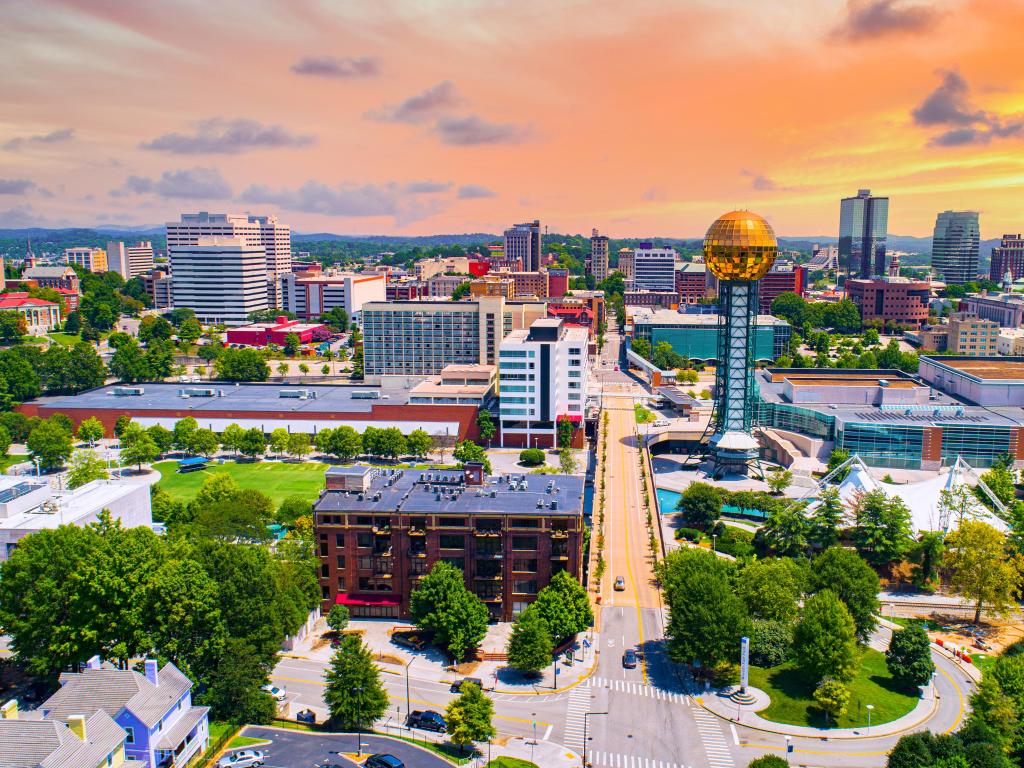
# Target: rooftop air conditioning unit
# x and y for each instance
(554, 504)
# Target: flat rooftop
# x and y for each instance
(650, 316)
(853, 381)
(430, 492)
(237, 398)
(984, 368)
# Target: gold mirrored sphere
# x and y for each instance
(740, 245)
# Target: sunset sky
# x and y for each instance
(444, 116)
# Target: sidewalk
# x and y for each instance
(432, 666)
(543, 753)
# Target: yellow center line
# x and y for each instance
(322, 684)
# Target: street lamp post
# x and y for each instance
(869, 708)
(714, 543)
(408, 700)
(359, 727)
(585, 716)
(789, 747)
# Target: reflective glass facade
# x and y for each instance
(883, 445)
(794, 419)
(955, 246)
(863, 228)
(977, 445)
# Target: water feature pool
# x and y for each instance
(667, 501)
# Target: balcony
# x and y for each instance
(560, 554)
(489, 554)
(487, 531)
(417, 531)
(559, 534)
(488, 598)
(382, 530)
(488, 576)
(417, 553)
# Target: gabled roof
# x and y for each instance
(112, 690)
(52, 744)
(47, 272)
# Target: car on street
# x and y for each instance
(279, 694)
(629, 659)
(383, 761)
(616, 366)
(244, 758)
(661, 423)
(457, 685)
(427, 720)
(620, 584)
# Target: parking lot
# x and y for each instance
(299, 749)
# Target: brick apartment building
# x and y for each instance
(891, 299)
(379, 532)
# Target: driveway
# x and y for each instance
(300, 749)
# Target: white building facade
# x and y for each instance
(222, 279)
(129, 260)
(654, 269)
(542, 378)
(310, 297)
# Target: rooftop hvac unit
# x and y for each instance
(197, 392)
(554, 504)
(127, 391)
(298, 394)
(494, 494)
(365, 394)
(540, 503)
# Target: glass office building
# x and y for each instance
(955, 246)
(863, 228)
(696, 336)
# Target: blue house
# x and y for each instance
(155, 709)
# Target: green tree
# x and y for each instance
(241, 365)
(981, 569)
(184, 432)
(154, 328)
(785, 532)
(790, 307)
(418, 443)
(128, 363)
(90, 430)
(485, 426)
(391, 443)
(567, 462)
(121, 425)
(467, 451)
(337, 618)
(292, 508)
(205, 442)
(461, 291)
(292, 344)
(825, 520)
(253, 443)
(1001, 481)
(768, 761)
(926, 555)
(824, 641)
(189, 331)
(771, 642)
(84, 467)
(232, 437)
(771, 588)
(566, 429)
(882, 532)
(700, 505)
(50, 444)
(909, 656)
(12, 327)
(137, 447)
(442, 603)
(162, 437)
(529, 645)
(531, 457)
(298, 444)
(345, 443)
(706, 618)
(234, 683)
(779, 480)
(856, 584)
(832, 697)
(5, 441)
(278, 442)
(470, 716)
(564, 607)
(354, 693)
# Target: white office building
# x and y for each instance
(309, 297)
(654, 269)
(222, 279)
(129, 260)
(542, 378)
(263, 231)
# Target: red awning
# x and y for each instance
(345, 599)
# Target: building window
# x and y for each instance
(339, 539)
(458, 562)
(129, 734)
(525, 522)
(525, 586)
(451, 522)
(524, 564)
(528, 543)
(340, 559)
(364, 540)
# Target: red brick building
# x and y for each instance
(783, 277)
(894, 300)
(379, 532)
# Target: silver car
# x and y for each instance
(244, 758)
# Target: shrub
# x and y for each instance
(531, 457)
(770, 642)
(690, 534)
(735, 542)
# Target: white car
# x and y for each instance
(279, 694)
(242, 759)
(661, 423)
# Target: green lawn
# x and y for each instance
(66, 339)
(792, 700)
(6, 462)
(277, 479)
(642, 414)
(510, 762)
(244, 741)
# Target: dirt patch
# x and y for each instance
(387, 658)
(466, 667)
(991, 636)
(502, 741)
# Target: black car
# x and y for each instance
(427, 720)
(383, 761)
(457, 685)
(629, 659)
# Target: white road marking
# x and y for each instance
(547, 733)
(735, 736)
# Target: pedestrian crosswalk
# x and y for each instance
(715, 745)
(617, 760)
(638, 689)
(579, 705)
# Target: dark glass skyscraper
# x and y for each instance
(955, 246)
(863, 226)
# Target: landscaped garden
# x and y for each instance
(277, 479)
(792, 695)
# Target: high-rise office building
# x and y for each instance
(654, 269)
(222, 279)
(264, 231)
(863, 227)
(129, 260)
(90, 259)
(419, 338)
(543, 378)
(955, 246)
(598, 256)
(524, 243)
(1007, 257)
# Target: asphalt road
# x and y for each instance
(298, 749)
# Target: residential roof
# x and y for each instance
(52, 744)
(34, 273)
(445, 492)
(112, 690)
(15, 302)
(174, 735)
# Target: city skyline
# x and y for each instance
(409, 119)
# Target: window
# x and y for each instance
(364, 539)
(130, 734)
(325, 570)
(524, 542)
(340, 560)
(524, 564)
(365, 562)
(341, 583)
(451, 522)
(525, 522)
(452, 541)
(518, 606)
(364, 520)
(525, 586)
(458, 562)
(339, 539)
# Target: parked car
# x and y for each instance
(383, 761)
(629, 659)
(427, 720)
(279, 694)
(414, 640)
(244, 758)
(620, 584)
(457, 685)
(661, 423)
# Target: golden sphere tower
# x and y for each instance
(739, 249)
